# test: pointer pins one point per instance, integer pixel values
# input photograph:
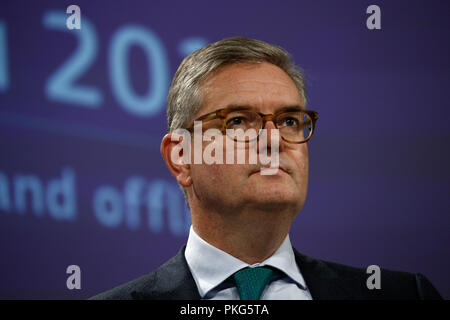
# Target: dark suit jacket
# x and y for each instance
(325, 280)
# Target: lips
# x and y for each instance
(280, 167)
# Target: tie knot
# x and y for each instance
(251, 282)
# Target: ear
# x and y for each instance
(172, 152)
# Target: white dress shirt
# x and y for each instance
(211, 266)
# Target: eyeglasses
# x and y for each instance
(294, 124)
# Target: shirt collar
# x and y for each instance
(211, 266)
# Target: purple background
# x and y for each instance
(379, 160)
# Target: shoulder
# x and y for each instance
(352, 282)
(127, 290)
(172, 280)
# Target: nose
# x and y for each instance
(270, 126)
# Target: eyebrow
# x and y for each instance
(284, 109)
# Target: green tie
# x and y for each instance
(251, 282)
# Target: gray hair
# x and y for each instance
(184, 98)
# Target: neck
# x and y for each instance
(251, 236)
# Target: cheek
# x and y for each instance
(224, 160)
(212, 176)
(301, 159)
(304, 157)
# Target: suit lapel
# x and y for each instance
(172, 281)
(324, 283)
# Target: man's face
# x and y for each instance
(266, 88)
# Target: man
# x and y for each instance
(238, 246)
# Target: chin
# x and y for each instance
(272, 197)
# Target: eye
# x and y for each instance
(241, 120)
(289, 122)
(236, 121)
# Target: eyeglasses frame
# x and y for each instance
(223, 113)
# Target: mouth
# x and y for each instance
(278, 169)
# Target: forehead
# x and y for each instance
(262, 86)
